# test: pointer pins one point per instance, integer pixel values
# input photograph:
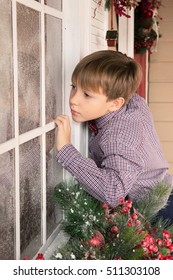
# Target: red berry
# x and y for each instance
(155, 249)
(166, 234)
(121, 200)
(124, 210)
(167, 242)
(160, 256)
(159, 242)
(104, 206)
(137, 223)
(134, 216)
(129, 223)
(151, 248)
(171, 247)
(129, 203)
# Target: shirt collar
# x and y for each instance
(101, 122)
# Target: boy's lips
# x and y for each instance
(74, 112)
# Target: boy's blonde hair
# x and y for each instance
(111, 72)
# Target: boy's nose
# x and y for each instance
(74, 98)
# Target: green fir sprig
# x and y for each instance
(127, 231)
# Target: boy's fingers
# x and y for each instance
(62, 122)
(61, 119)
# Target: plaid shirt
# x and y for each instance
(125, 155)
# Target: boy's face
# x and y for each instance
(88, 105)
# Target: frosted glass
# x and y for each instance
(53, 177)
(6, 75)
(57, 4)
(53, 69)
(7, 210)
(30, 198)
(28, 25)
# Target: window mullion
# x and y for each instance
(43, 137)
(16, 123)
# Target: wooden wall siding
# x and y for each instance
(161, 82)
(98, 27)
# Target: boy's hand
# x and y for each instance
(63, 131)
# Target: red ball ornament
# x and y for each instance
(149, 14)
(40, 257)
(95, 241)
(115, 229)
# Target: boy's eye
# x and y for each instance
(86, 94)
(73, 86)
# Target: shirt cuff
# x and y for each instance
(67, 155)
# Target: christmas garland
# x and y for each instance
(120, 6)
(126, 232)
(146, 27)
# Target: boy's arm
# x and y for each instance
(110, 182)
(107, 184)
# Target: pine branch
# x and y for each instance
(154, 200)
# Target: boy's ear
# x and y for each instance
(116, 104)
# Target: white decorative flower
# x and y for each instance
(72, 256)
(77, 194)
(58, 256)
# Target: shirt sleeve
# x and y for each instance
(110, 182)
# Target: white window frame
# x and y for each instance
(126, 34)
(41, 131)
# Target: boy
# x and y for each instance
(125, 153)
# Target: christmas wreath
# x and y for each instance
(146, 33)
(126, 232)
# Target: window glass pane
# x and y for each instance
(28, 26)
(53, 177)
(6, 76)
(7, 210)
(57, 4)
(53, 67)
(30, 198)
